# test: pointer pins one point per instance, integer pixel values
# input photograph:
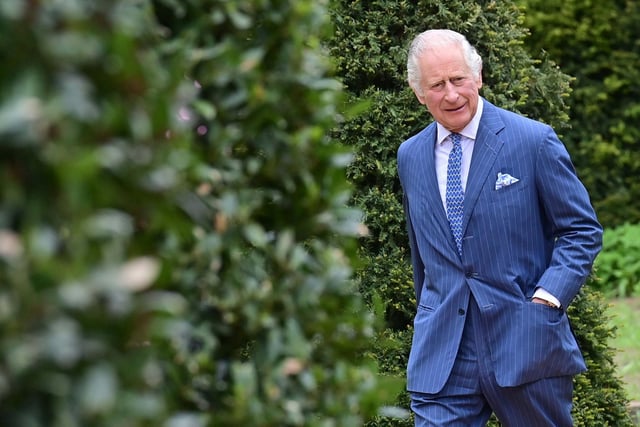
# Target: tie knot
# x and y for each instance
(455, 138)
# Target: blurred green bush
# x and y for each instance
(175, 243)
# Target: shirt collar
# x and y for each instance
(470, 130)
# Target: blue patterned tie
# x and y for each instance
(454, 193)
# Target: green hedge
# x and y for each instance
(597, 44)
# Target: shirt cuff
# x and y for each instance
(543, 294)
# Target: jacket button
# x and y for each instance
(460, 311)
(468, 273)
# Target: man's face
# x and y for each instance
(449, 89)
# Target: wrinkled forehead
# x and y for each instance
(443, 61)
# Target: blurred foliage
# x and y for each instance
(90, 218)
(618, 265)
(369, 46)
(598, 43)
(176, 248)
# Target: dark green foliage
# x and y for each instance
(369, 46)
(599, 398)
(618, 266)
(598, 42)
(175, 243)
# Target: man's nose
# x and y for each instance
(450, 91)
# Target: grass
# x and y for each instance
(625, 315)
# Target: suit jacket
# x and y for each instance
(540, 231)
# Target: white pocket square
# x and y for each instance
(504, 180)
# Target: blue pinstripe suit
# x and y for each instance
(540, 231)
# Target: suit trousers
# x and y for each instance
(471, 393)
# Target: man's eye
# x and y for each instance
(458, 80)
(438, 85)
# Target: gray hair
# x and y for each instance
(438, 38)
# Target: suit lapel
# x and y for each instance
(486, 148)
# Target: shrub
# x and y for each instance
(618, 265)
(597, 44)
(599, 398)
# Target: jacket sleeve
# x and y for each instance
(576, 231)
(416, 260)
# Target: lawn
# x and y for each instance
(626, 317)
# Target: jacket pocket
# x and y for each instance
(537, 343)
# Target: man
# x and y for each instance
(502, 237)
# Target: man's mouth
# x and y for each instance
(454, 110)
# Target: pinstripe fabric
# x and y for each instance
(538, 231)
(472, 392)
